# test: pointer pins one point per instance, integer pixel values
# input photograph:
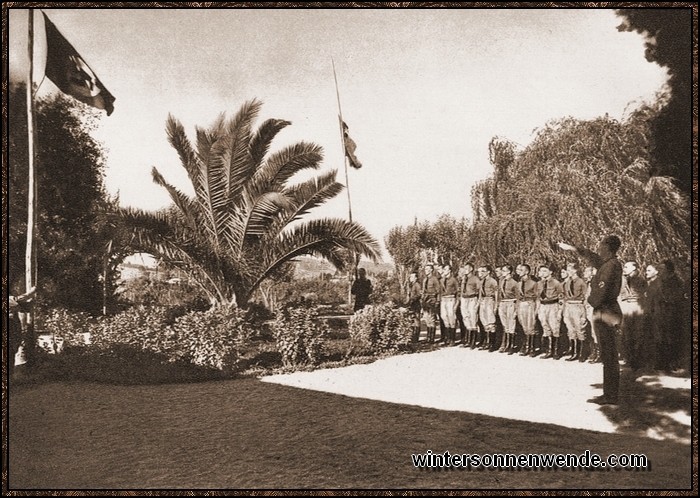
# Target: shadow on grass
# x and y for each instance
(120, 365)
(649, 408)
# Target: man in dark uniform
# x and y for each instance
(669, 312)
(607, 316)
(632, 292)
(413, 303)
(430, 301)
(361, 289)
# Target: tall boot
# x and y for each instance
(577, 352)
(555, 348)
(595, 355)
(431, 335)
(451, 334)
(467, 338)
(526, 347)
(504, 339)
(510, 348)
(581, 356)
(569, 350)
(550, 350)
(533, 347)
(492, 342)
(475, 338)
(462, 335)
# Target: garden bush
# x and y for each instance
(142, 327)
(69, 326)
(299, 335)
(380, 328)
(206, 338)
(212, 338)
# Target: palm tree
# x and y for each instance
(235, 231)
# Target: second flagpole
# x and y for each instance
(355, 260)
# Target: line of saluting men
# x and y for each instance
(479, 295)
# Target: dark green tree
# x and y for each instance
(669, 44)
(73, 222)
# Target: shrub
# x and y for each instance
(387, 289)
(299, 335)
(212, 338)
(380, 328)
(69, 326)
(142, 327)
(207, 338)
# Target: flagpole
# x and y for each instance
(342, 141)
(347, 178)
(30, 253)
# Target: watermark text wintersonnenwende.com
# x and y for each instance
(585, 460)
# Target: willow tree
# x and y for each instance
(235, 231)
(579, 180)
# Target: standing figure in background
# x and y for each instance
(633, 289)
(361, 289)
(669, 316)
(588, 274)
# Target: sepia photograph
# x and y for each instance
(318, 248)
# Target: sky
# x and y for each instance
(423, 91)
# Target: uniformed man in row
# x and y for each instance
(469, 305)
(449, 290)
(507, 308)
(527, 308)
(488, 293)
(549, 309)
(574, 311)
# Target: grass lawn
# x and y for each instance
(244, 434)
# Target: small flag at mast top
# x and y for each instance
(350, 147)
(71, 74)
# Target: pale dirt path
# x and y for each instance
(461, 379)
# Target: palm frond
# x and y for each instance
(184, 203)
(179, 141)
(306, 196)
(282, 165)
(206, 137)
(237, 164)
(264, 212)
(260, 143)
(323, 237)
